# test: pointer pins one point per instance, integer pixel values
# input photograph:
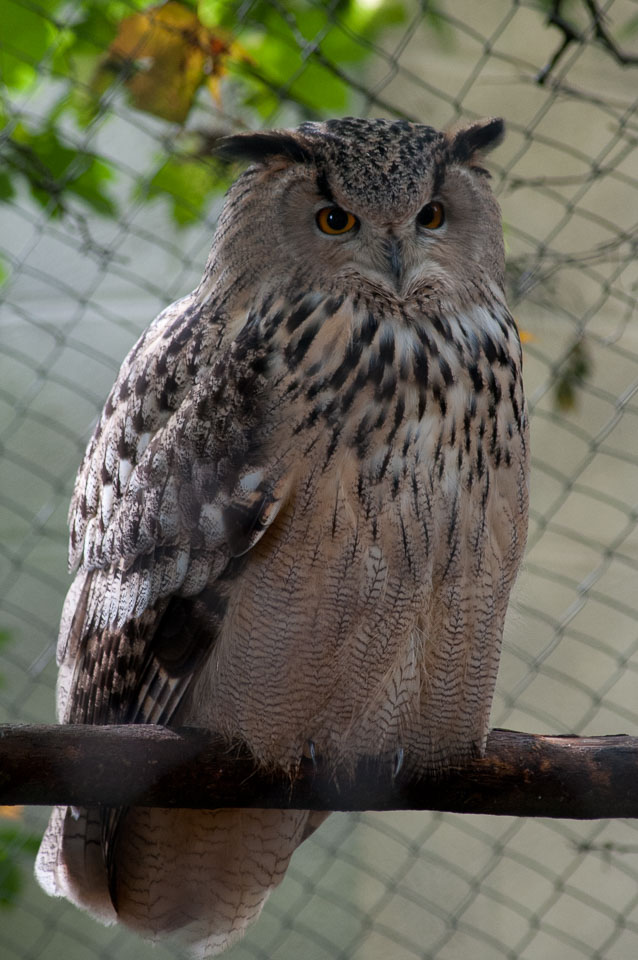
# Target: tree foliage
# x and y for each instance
(171, 61)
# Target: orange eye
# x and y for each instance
(431, 216)
(334, 220)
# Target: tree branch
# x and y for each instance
(603, 35)
(572, 35)
(522, 774)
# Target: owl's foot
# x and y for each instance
(310, 753)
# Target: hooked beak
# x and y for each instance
(394, 256)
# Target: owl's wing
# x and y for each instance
(174, 488)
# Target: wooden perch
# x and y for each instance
(522, 774)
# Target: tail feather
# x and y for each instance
(70, 862)
(203, 875)
(199, 876)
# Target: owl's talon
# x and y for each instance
(398, 761)
(310, 752)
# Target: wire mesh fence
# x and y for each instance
(109, 199)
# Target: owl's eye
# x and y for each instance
(431, 216)
(334, 220)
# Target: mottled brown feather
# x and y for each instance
(302, 511)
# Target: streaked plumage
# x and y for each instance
(302, 511)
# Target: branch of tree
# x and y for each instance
(521, 774)
(603, 35)
(572, 35)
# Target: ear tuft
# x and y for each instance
(259, 147)
(478, 138)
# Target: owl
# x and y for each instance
(301, 513)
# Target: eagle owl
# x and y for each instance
(301, 513)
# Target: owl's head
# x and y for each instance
(392, 205)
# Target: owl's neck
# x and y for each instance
(385, 384)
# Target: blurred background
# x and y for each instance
(109, 110)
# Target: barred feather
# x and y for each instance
(302, 511)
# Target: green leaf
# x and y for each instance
(10, 881)
(89, 185)
(345, 36)
(188, 184)
(572, 375)
(29, 33)
(217, 13)
(369, 20)
(285, 67)
(53, 170)
(15, 842)
(301, 48)
(260, 51)
(5, 636)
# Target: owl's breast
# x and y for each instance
(395, 549)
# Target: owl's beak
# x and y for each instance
(394, 255)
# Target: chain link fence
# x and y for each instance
(110, 199)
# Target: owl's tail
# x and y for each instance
(70, 862)
(200, 876)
